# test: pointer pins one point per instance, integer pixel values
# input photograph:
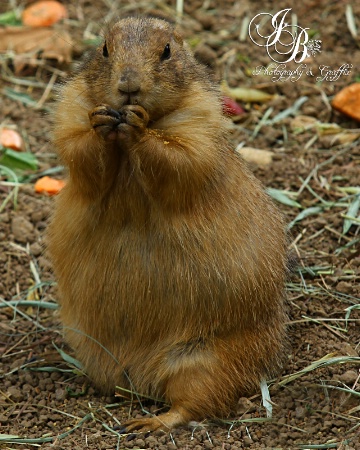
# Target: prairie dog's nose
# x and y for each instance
(129, 82)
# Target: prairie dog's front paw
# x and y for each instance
(135, 116)
(104, 120)
(134, 120)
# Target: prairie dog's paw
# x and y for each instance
(135, 116)
(134, 120)
(175, 417)
(104, 120)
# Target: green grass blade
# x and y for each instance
(69, 359)
(352, 212)
(18, 160)
(327, 360)
(27, 303)
(283, 197)
(306, 213)
(10, 18)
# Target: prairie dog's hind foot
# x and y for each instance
(175, 417)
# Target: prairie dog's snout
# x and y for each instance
(129, 82)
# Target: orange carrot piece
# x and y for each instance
(47, 185)
(347, 101)
(11, 139)
(44, 13)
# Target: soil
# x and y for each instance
(43, 396)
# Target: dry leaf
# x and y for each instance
(246, 94)
(256, 156)
(331, 134)
(346, 137)
(324, 129)
(302, 123)
(28, 43)
(341, 138)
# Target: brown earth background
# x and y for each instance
(44, 401)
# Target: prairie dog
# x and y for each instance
(169, 256)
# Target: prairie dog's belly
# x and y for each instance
(165, 273)
(137, 274)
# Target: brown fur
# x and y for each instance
(169, 256)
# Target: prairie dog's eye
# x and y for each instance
(105, 51)
(166, 53)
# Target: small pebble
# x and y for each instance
(300, 412)
(22, 229)
(36, 249)
(244, 405)
(3, 419)
(15, 394)
(349, 377)
(60, 394)
(344, 287)
(247, 441)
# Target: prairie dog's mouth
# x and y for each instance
(129, 99)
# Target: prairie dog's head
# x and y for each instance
(141, 61)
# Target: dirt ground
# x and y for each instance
(45, 401)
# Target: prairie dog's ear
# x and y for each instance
(178, 38)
